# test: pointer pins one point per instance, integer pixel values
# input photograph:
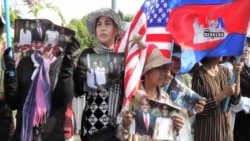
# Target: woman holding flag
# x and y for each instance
(212, 82)
(242, 122)
(153, 75)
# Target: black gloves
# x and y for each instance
(72, 48)
(8, 63)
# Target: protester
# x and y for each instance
(25, 34)
(212, 81)
(104, 25)
(242, 122)
(40, 89)
(153, 76)
(186, 131)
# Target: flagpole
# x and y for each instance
(232, 81)
(7, 25)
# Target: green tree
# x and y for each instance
(126, 18)
(38, 5)
(82, 33)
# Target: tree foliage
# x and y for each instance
(82, 33)
(126, 18)
(38, 5)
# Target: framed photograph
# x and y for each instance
(34, 33)
(182, 95)
(104, 70)
(153, 119)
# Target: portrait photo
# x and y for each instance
(183, 95)
(152, 119)
(104, 70)
(33, 34)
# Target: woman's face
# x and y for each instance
(176, 65)
(27, 24)
(52, 27)
(106, 31)
(164, 111)
(155, 76)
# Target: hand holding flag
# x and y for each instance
(149, 24)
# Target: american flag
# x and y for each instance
(150, 23)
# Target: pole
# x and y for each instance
(7, 23)
(8, 32)
(114, 5)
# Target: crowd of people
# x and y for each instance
(41, 88)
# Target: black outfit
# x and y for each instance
(35, 37)
(6, 122)
(62, 41)
(242, 120)
(140, 127)
(96, 115)
(16, 89)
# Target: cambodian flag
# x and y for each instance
(208, 28)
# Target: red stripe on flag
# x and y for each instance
(166, 53)
(159, 37)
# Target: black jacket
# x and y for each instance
(16, 90)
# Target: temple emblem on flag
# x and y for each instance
(215, 31)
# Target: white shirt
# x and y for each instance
(165, 129)
(91, 79)
(101, 76)
(52, 37)
(24, 38)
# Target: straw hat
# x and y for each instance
(108, 12)
(154, 59)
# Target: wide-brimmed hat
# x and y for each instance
(108, 12)
(155, 58)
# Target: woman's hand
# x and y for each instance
(237, 67)
(199, 106)
(178, 122)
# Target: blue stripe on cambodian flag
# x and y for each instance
(208, 28)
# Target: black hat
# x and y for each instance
(176, 50)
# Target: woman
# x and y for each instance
(25, 34)
(40, 90)
(242, 122)
(51, 36)
(153, 76)
(212, 82)
(164, 126)
(105, 26)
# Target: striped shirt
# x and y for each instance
(213, 124)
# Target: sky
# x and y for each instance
(78, 8)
